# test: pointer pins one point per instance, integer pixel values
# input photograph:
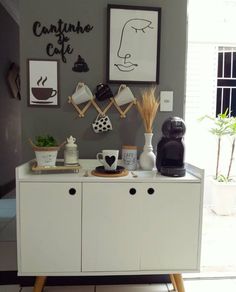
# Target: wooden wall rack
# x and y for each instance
(122, 110)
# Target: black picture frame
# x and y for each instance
(43, 83)
(133, 44)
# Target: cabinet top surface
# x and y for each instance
(24, 173)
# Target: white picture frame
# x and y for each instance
(43, 87)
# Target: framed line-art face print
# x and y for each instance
(133, 44)
(43, 88)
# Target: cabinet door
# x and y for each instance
(49, 227)
(110, 228)
(170, 236)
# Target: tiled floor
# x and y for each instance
(190, 286)
(218, 243)
(8, 233)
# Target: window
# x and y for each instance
(226, 80)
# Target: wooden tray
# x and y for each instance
(123, 173)
(60, 167)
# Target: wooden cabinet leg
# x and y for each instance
(39, 283)
(172, 278)
(179, 282)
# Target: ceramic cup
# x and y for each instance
(102, 124)
(103, 92)
(124, 95)
(108, 158)
(82, 93)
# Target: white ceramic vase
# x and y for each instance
(147, 159)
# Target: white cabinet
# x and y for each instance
(68, 224)
(170, 227)
(111, 223)
(49, 227)
(140, 226)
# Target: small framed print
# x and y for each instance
(133, 44)
(43, 87)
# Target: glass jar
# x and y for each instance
(71, 156)
(129, 157)
(71, 153)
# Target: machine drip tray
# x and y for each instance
(173, 171)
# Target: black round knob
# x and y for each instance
(132, 191)
(72, 191)
(151, 191)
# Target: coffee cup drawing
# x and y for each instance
(124, 95)
(82, 93)
(43, 93)
(108, 158)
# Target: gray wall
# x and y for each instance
(10, 117)
(62, 121)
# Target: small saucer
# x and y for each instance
(101, 169)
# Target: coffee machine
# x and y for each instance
(170, 149)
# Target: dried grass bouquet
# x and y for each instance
(148, 107)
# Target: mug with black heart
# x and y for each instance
(108, 159)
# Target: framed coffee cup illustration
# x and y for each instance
(43, 88)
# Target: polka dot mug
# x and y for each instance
(102, 124)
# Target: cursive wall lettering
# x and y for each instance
(65, 49)
(60, 30)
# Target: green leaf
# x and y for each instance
(45, 141)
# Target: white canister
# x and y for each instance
(129, 157)
(71, 152)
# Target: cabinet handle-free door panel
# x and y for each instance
(170, 236)
(110, 230)
(50, 227)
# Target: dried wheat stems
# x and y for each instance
(147, 108)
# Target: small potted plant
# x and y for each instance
(223, 186)
(46, 149)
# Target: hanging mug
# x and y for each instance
(103, 92)
(124, 95)
(82, 93)
(102, 124)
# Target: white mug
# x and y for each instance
(82, 93)
(124, 95)
(109, 159)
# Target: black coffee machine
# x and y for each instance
(170, 149)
